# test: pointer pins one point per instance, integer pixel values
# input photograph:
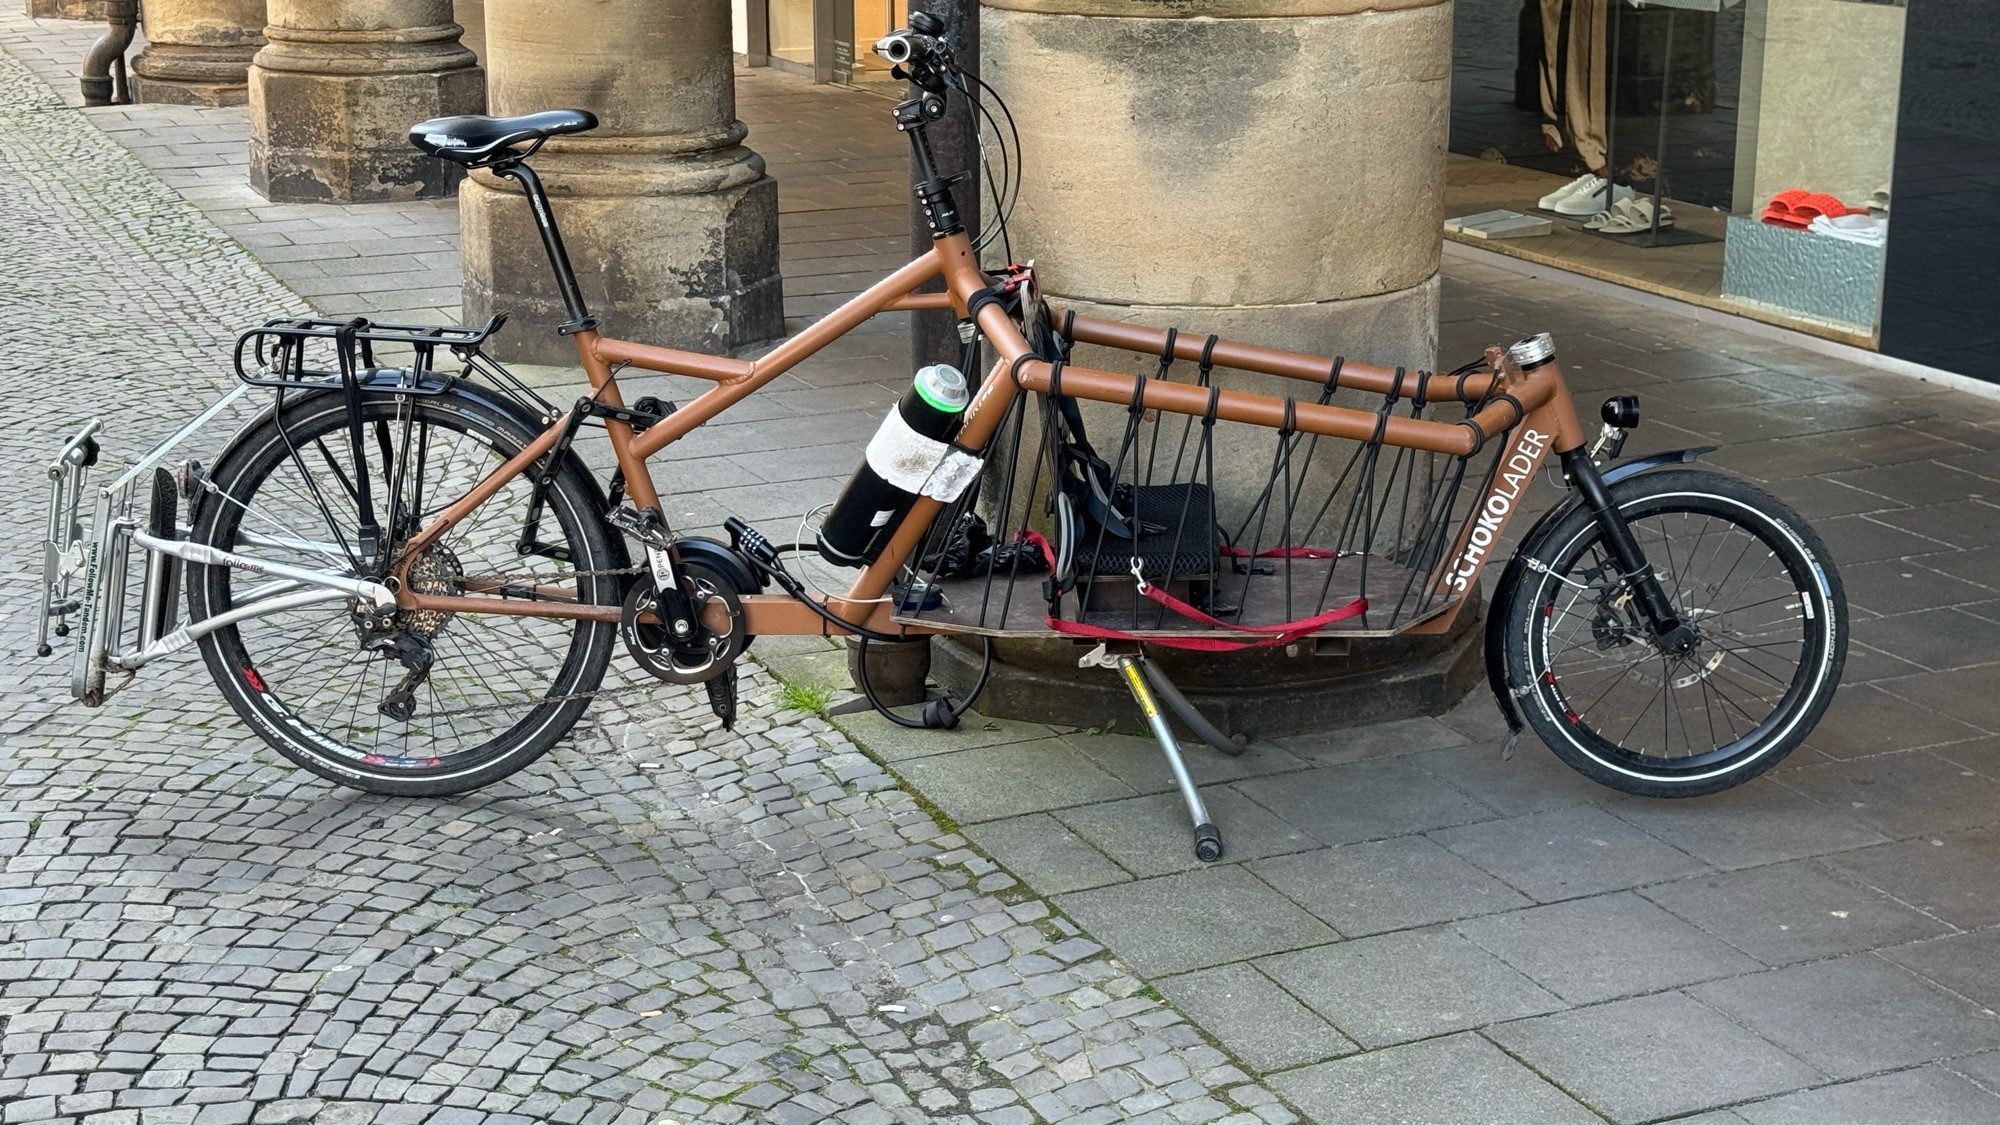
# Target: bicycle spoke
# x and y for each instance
(487, 675)
(1723, 581)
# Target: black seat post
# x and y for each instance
(580, 319)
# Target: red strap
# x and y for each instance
(1194, 644)
(1048, 552)
(1277, 634)
(1283, 634)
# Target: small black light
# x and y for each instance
(1621, 411)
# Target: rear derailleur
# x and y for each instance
(417, 656)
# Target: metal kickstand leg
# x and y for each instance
(1207, 838)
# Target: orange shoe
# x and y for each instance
(1819, 203)
(1779, 213)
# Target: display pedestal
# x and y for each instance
(1659, 236)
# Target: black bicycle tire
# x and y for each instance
(572, 501)
(1817, 678)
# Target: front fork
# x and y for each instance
(1670, 634)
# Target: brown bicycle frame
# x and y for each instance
(1538, 400)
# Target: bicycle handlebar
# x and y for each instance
(900, 47)
(920, 50)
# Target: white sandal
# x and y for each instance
(1638, 219)
(1602, 218)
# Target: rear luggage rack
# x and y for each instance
(308, 352)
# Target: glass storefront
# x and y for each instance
(1734, 153)
(791, 24)
(829, 39)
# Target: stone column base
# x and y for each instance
(330, 119)
(177, 74)
(1264, 694)
(678, 252)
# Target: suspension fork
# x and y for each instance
(1669, 633)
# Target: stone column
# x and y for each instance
(1270, 170)
(333, 97)
(1267, 170)
(198, 51)
(670, 221)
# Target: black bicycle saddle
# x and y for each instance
(473, 139)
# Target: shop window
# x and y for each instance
(1675, 125)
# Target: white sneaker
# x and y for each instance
(1592, 201)
(1586, 182)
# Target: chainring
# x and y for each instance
(710, 654)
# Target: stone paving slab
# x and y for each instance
(1862, 871)
(1385, 885)
(1652, 1057)
(1254, 1018)
(1854, 1015)
(1590, 950)
(1925, 1096)
(1458, 1078)
(1409, 985)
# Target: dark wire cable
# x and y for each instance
(792, 587)
(1008, 192)
(956, 713)
(1004, 187)
(975, 111)
(1013, 145)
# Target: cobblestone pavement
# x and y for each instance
(1408, 929)
(661, 922)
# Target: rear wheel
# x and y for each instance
(1744, 572)
(434, 703)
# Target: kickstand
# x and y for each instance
(1207, 838)
(722, 697)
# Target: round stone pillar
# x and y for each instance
(1267, 170)
(198, 51)
(669, 219)
(333, 97)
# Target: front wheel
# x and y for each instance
(1744, 572)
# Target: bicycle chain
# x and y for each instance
(532, 579)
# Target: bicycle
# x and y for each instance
(353, 558)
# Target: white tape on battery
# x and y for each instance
(953, 476)
(902, 456)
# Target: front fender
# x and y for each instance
(1502, 605)
(1612, 476)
